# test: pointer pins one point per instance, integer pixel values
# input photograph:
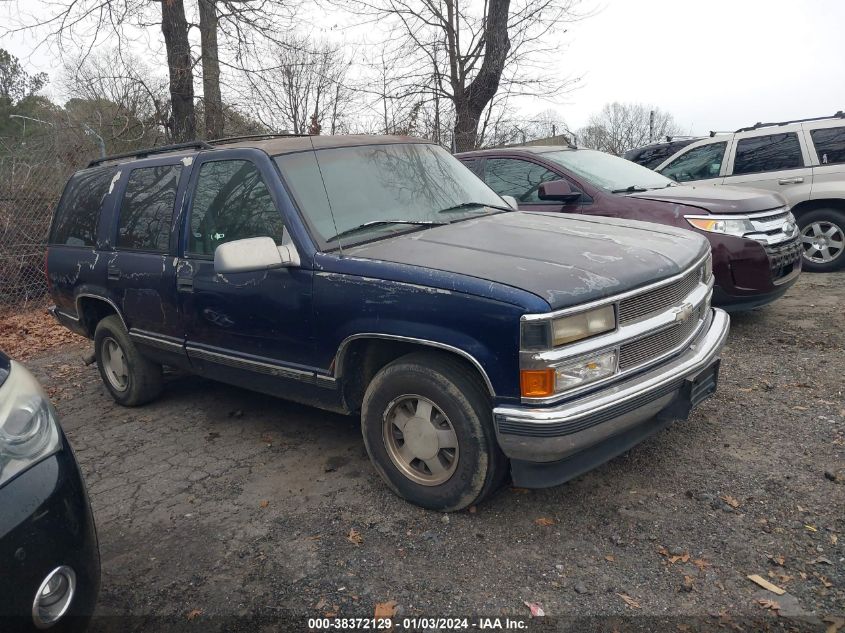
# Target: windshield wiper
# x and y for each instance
(631, 189)
(466, 205)
(366, 225)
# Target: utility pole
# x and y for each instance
(651, 126)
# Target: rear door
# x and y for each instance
(241, 324)
(826, 141)
(521, 178)
(778, 161)
(141, 271)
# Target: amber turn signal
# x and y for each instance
(537, 383)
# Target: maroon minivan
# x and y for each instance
(755, 241)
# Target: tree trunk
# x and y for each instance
(174, 27)
(471, 100)
(212, 99)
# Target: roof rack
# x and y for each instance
(163, 149)
(143, 153)
(839, 115)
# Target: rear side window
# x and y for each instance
(147, 208)
(830, 145)
(78, 212)
(767, 153)
(231, 202)
(698, 163)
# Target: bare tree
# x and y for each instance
(302, 87)
(475, 50)
(212, 96)
(623, 126)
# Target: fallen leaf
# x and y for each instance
(778, 560)
(544, 521)
(386, 609)
(765, 584)
(834, 623)
(333, 612)
(536, 609)
(662, 551)
(769, 604)
(824, 581)
(683, 558)
(264, 503)
(811, 528)
(833, 539)
(316, 537)
(473, 509)
(731, 501)
(610, 558)
(701, 563)
(629, 601)
(820, 560)
(784, 578)
(193, 613)
(520, 491)
(354, 537)
(321, 603)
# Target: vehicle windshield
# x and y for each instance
(607, 171)
(349, 195)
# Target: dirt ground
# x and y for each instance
(215, 502)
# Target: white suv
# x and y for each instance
(802, 160)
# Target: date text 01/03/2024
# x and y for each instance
(417, 624)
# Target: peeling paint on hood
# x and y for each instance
(565, 260)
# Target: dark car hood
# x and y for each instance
(716, 199)
(565, 260)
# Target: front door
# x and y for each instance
(522, 179)
(245, 324)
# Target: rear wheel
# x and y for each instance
(823, 240)
(428, 428)
(131, 379)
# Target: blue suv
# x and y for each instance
(378, 276)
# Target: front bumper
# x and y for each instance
(550, 445)
(46, 522)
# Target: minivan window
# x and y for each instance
(78, 212)
(607, 171)
(767, 153)
(830, 145)
(231, 202)
(518, 178)
(346, 188)
(147, 209)
(698, 163)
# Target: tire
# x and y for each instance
(825, 228)
(133, 381)
(398, 395)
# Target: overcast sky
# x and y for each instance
(716, 64)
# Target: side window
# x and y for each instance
(767, 153)
(517, 178)
(830, 145)
(78, 212)
(147, 208)
(699, 163)
(231, 202)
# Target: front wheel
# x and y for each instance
(823, 240)
(428, 429)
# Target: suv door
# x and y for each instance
(778, 161)
(704, 160)
(521, 179)
(141, 269)
(242, 324)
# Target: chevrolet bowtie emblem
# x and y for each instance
(683, 312)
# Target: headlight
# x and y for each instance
(721, 224)
(28, 429)
(538, 335)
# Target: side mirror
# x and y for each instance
(254, 254)
(558, 190)
(512, 203)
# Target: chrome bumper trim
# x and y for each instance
(552, 433)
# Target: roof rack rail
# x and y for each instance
(715, 132)
(839, 115)
(143, 153)
(246, 137)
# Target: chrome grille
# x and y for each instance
(655, 345)
(659, 299)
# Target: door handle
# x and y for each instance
(185, 284)
(113, 273)
(791, 181)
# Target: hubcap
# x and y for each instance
(114, 364)
(420, 440)
(822, 241)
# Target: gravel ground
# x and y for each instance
(216, 502)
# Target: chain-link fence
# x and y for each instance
(33, 170)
